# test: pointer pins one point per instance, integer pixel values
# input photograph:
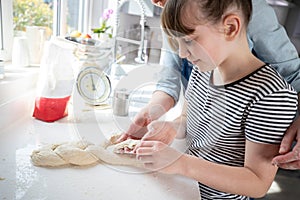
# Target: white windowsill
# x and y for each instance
(17, 81)
(17, 90)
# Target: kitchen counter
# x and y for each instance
(19, 179)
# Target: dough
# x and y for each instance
(82, 153)
(129, 145)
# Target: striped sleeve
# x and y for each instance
(270, 117)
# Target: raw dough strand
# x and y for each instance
(80, 153)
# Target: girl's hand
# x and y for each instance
(158, 156)
(162, 131)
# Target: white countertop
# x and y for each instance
(19, 179)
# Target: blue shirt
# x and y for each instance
(267, 39)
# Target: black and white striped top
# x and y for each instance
(259, 108)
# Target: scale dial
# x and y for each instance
(93, 85)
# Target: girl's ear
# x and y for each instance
(232, 26)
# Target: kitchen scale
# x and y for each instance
(93, 85)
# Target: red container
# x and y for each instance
(51, 109)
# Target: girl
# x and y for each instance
(237, 107)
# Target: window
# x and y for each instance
(1, 29)
(32, 13)
(6, 29)
(59, 16)
(66, 16)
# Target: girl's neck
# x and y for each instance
(235, 67)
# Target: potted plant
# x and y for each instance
(33, 21)
(105, 30)
(31, 13)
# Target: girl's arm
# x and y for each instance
(254, 179)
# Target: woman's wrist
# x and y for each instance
(163, 99)
(180, 126)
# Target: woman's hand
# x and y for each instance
(159, 104)
(158, 156)
(138, 127)
(289, 158)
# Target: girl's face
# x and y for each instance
(204, 48)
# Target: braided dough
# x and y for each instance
(83, 153)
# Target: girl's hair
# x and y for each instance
(174, 19)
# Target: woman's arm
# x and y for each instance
(289, 157)
(170, 76)
(282, 54)
(182, 120)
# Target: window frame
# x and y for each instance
(6, 33)
(88, 17)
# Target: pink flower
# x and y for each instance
(110, 11)
(107, 13)
(104, 27)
